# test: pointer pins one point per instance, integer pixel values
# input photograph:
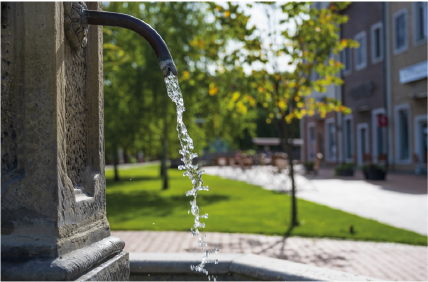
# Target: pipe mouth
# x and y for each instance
(167, 66)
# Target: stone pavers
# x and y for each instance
(388, 261)
(400, 201)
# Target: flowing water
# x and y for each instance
(192, 172)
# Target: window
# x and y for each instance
(400, 31)
(346, 60)
(402, 134)
(420, 22)
(377, 42)
(362, 142)
(331, 139)
(361, 52)
(421, 138)
(379, 134)
(312, 143)
(403, 121)
(348, 139)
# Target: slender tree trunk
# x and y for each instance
(164, 171)
(287, 146)
(115, 164)
(294, 221)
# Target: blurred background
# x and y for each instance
(309, 119)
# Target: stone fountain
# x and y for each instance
(53, 204)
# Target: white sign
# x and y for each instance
(413, 72)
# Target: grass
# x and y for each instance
(138, 203)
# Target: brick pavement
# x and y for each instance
(388, 261)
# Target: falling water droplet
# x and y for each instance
(192, 171)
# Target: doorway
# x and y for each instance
(362, 142)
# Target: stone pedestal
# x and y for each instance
(53, 206)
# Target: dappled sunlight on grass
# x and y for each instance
(138, 203)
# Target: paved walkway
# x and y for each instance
(399, 201)
(387, 261)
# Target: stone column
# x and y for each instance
(53, 204)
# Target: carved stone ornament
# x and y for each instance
(75, 29)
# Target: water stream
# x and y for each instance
(191, 171)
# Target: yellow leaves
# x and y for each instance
(186, 75)
(261, 89)
(218, 8)
(268, 120)
(242, 108)
(338, 64)
(337, 108)
(281, 104)
(303, 112)
(251, 100)
(289, 117)
(331, 62)
(197, 42)
(344, 43)
(213, 89)
(297, 98)
(300, 104)
(311, 22)
(311, 113)
(277, 77)
(235, 96)
(271, 115)
(317, 29)
(226, 14)
(265, 105)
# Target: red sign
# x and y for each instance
(382, 121)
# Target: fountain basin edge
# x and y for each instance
(231, 267)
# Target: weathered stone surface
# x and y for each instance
(52, 135)
(67, 267)
(53, 184)
(115, 269)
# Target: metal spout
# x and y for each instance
(77, 18)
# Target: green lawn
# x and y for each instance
(138, 203)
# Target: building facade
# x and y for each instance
(407, 77)
(364, 138)
(385, 85)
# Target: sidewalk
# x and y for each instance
(400, 201)
(387, 261)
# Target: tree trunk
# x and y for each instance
(294, 221)
(287, 146)
(164, 171)
(115, 164)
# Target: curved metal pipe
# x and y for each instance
(129, 22)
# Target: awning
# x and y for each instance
(273, 141)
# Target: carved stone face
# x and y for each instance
(75, 29)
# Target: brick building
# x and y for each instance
(407, 80)
(364, 83)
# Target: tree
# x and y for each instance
(283, 93)
(138, 113)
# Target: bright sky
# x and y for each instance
(261, 21)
